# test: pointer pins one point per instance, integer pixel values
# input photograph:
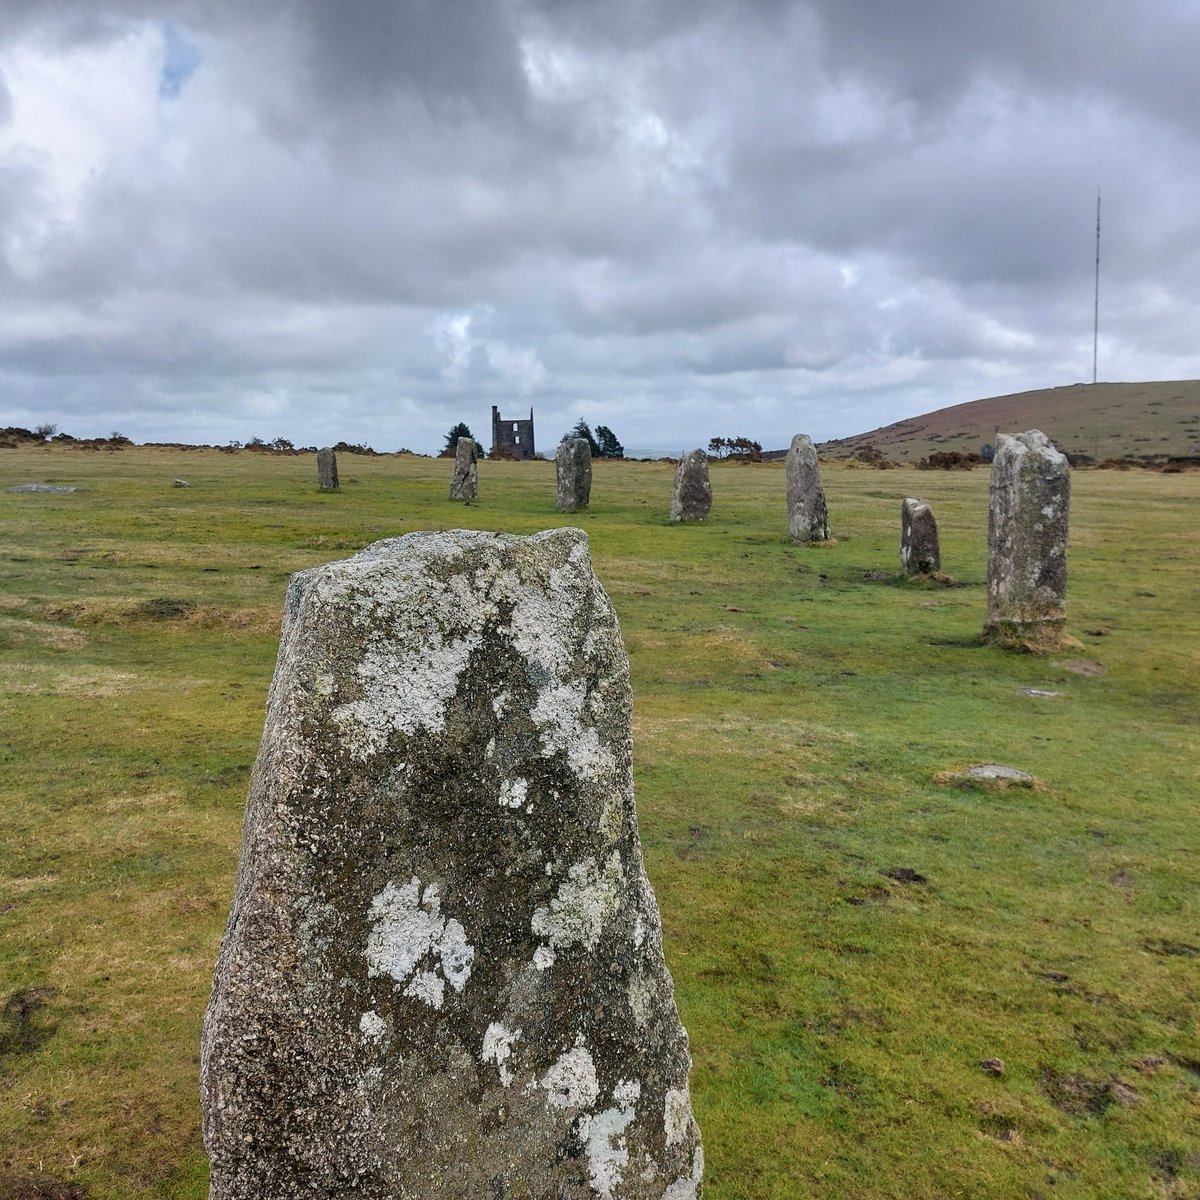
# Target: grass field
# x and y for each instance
(850, 937)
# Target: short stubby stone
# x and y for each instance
(327, 476)
(920, 553)
(465, 483)
(443, 974)
(808, 515)
(692, 498)
(994, 771)
(1028, 509)
(573, 473)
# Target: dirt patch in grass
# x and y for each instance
(1081, 1096)
(24, 1023)
(38, 1187)
(1082, 666)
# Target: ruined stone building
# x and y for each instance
(514, 439)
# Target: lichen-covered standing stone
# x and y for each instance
(808, 515)
(920, 552)
(573, 472)
(1028, 509)
(327, 476)
(692, 497)
(465, 484)
(443, 972)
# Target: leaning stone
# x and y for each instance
(692, 498)
(920, 553)
(443, 972)
(327, 476)
(465, 484)
(808, 515)
(573, 472)
(1028, 508)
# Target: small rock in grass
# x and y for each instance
(993, 1066)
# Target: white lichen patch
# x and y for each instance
(543, 958)
(583, 905)
(513, 792)
(497, 1048)
(571, 1081)
(640, 995)
(408, 928)
(677, 1115)
(607, 1153)
(372, 1025)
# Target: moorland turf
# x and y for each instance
(852, 934)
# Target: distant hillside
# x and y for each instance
(1099, 420)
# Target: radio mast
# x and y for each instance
(1096, 304)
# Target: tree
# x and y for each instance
(737, 447)
(582, 430)
(609, 446)
(457, 431)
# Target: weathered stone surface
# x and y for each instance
(920, 553)
(327, 476)
(692, 497)
(808, 516)
(573, 472)
(41, 487)
(1028, 509)
(443, 971)
(465, 484)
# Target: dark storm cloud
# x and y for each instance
(369, 220)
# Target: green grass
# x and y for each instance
(794, 707)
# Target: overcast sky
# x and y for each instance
(369, 219)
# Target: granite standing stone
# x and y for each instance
(465, 484)
(808, 515)
(692, 498)
(573, 472)
(327, 476)
(443, 972)
(1028, 510)
(920, 552)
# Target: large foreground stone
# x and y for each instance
(573, 474)
(692, 498)
(443, 971)
(1028, 509)
(920, 550)
(808, 515)
(465, 483)
(327, 476)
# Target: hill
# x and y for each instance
(1091, 421)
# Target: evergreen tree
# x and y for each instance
(582, 430)
(609, 446)
(459, 430)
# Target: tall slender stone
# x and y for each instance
(573, 473)
(443, 973)
(920, 551)
(465, 483)
(808, 515)
(692, 497)
(327, 476)
(1028, 510)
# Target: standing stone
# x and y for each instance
(692, 498)
(465, 484)
(920, 553)
(1028, 508)
(443, 973)
(327, 477)
(808, 516)
(573, 470)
